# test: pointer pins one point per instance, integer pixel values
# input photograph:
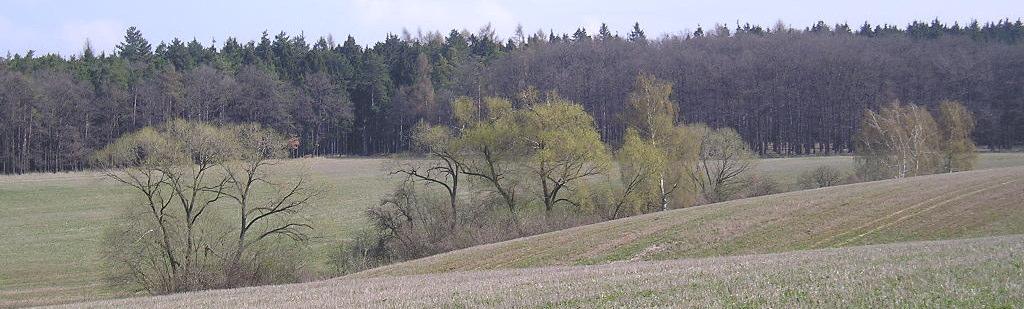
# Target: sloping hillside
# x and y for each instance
(959, 205)
(53, 223)
(983, 272)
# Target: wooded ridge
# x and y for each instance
(786, 91)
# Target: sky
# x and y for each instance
(63, 27)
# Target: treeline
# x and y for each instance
(786, 91)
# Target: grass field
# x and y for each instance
(973, 273)
(53, 223)
(968, 204)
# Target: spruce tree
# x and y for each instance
(604, 33)
(637, 35)
(135, 47)
(580, 35)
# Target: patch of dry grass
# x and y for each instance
(984, 272)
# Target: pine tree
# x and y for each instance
(637, 35)
(88, 54)
(135, 47)
(604, 33)
(580, 35)
(865, 30)
(263, 51)
(177, 54)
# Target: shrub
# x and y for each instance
(135, 261)
(762, 185)
(823, 176)
(413, 222)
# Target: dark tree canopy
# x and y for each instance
(786, 91)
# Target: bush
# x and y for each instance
(135, 260)
(823, 176)
(273, 262)
(762, 185)
(411, 223)
(364, 251)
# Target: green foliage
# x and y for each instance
(657, 154)
(563, 148)
(898, 141)
(429, 139)
(640, 163)
(554, 140)
(492, 131)
(957, 125)
(204, 143)
(651, 111)
(495, 167)
(255, 142)
(146, 147)
(465, 111)
(135, 47)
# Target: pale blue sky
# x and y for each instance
(63, 26)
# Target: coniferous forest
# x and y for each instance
(786, 91)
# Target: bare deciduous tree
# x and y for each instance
(442, 166)
(723, 160)
(262, 214)
(182, 169)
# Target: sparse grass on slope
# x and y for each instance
(967, 204)
(972, 273)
